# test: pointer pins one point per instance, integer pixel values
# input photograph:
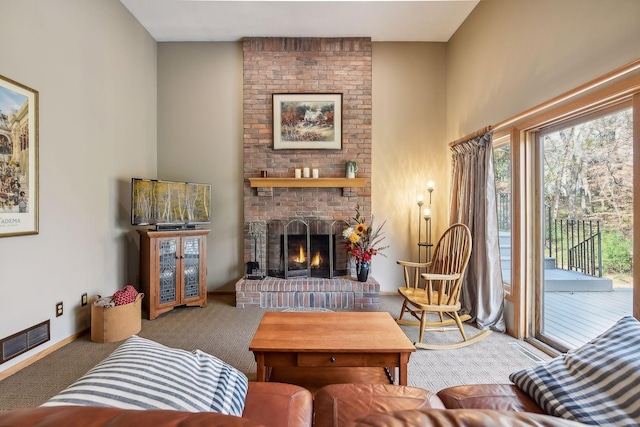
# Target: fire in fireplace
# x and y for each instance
(305, 249)
(316, 256)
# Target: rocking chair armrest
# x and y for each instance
(433, 276)
(414, 264)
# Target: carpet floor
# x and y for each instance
(224, 331)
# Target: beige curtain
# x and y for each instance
(473, 202)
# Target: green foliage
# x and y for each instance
(588, 170)
(617, 253)
(502, 163)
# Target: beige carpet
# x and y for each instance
(225, 331)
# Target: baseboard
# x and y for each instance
(47, 351)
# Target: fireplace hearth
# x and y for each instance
(308, 292)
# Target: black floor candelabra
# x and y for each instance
(426, 215)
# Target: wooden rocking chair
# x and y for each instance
(441, 291)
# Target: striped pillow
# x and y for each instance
(143, 374)
(593, 384)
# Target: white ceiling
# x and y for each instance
(214, 20)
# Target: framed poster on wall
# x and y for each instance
(307, 121)
(18, 159)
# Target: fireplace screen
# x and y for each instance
(300, 248)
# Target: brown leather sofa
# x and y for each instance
(469, 405)
(502, 397)
(278, 404)
(275, 404)
(267, 404)
(461, 418)
(88, 416)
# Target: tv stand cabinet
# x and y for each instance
(173, 269)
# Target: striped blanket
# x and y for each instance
(595, 384)
(143, 374)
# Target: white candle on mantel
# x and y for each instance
(305, 173)
(315, 173)
(298, 173)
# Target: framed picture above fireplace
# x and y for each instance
(307, 121)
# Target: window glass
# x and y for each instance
(502, 170)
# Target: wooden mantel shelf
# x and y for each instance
(307, 182)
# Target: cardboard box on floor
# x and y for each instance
(116, 323)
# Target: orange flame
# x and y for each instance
(301, 258)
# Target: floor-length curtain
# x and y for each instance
(473, 203)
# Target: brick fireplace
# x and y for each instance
(304, 65)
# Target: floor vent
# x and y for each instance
(23, 341)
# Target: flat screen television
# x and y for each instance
(169, 204)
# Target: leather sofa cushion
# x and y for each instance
(91, 416)
(278, 404)
(341, 404)
(462, 418)
(504, 397)
(267, 404)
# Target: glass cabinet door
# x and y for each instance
(191, 266)
(168, 270)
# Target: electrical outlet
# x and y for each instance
(84, 299)
(59, 309)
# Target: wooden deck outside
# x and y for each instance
(577, 317)
(577, 307)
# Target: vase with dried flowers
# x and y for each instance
(363, 243)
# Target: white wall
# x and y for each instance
(409, 101)
(200, 140)
(94, 67)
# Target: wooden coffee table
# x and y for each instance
(313, 349)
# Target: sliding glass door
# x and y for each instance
(586, 226)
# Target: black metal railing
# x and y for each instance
(504, 211)
(574, 244)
